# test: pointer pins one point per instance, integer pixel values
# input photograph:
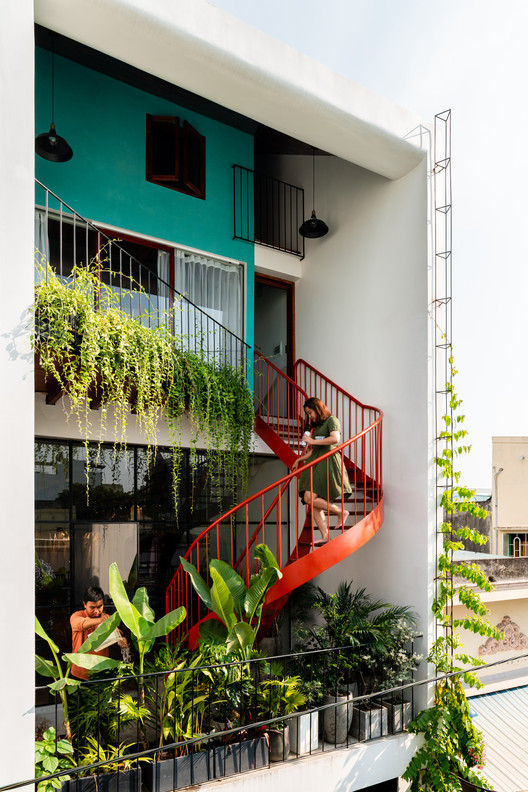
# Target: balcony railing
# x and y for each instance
(64, 240)
(268, 211)
(204, 723)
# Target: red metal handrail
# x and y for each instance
(275, 510)
(353, 415)
(278, 525)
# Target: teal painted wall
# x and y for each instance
(104, 122)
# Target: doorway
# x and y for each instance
(274, 329)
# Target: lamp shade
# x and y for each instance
(313, 228)
(53, 147)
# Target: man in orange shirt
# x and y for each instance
(84, 622)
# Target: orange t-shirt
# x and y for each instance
(79, 636)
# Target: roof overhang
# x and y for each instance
(204, 50)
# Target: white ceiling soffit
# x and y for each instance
(204, 50)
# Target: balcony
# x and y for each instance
(268, 211)
(198, 723)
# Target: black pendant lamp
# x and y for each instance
(313, 228)
(49, 145)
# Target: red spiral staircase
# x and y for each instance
(275, 514)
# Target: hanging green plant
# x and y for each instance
(102, 356)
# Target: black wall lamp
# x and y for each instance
(313, 228)
(49, 145)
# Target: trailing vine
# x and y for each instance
(103, 357)
(453, 746)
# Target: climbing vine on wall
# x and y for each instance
(453, 747)
(100, 356)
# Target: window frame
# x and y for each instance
(187, 140)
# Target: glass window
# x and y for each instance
(52, 481)
(110, 492)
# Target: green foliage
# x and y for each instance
(177, 700)
(52, 756)
(352, 619)
(113, 756)
(279, 695)
(452, 745)
(238, 608)
(96, 351)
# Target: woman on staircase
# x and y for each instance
(325, 482)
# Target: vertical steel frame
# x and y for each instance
(442, 303)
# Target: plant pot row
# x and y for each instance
(366, 721)
(220, 761)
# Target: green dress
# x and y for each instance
(336, 482)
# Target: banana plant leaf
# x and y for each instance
(167, 623)
(60, 684)
(100, 634)
(257, 590)
(222, 601)
(267, 559)
(199, 584)
(234, 583)
(211, 628)
(141, 602)
(92, 662)
(128, 612)
(241, 637)
(41, 632)
(46, 667)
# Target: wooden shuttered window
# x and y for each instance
(175, 156)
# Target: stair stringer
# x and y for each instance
(301, 570)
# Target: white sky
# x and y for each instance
(470, 56)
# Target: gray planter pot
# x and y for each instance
(279, 744)
(399, 715)
(304, 732)
(240, 757)
(178, 772)
(369, 722)
(337, 720)
(124, 781)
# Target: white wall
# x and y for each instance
(17, 576)
(345, 770)
(362, 319)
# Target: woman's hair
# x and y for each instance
(320, 409)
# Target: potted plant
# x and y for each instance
(304, 726)
(279, 696)
(51, 756)
(231, 693)
(177, 702)
(116, 774)
(395, 669)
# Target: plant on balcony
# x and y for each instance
(278, 696)
(453, 747)
(63, 684)
(51, 756)
(355, 623)
(238, 609)
(99, 354)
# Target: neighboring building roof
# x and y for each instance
(206, 51)
(503, 718)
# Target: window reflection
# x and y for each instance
(109, 474)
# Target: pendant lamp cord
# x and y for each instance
(52, 80)
(313, 178)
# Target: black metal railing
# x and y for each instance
(65, 240)
(267, 211)
(188, 724)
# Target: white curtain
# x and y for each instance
(41, 245)
(163, 288)
(214, 286)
